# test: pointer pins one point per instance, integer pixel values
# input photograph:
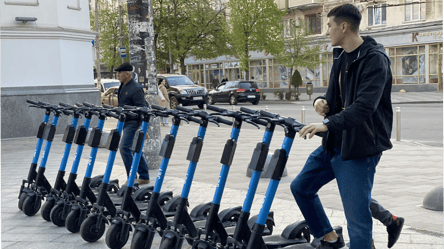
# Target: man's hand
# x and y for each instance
(312, 129)
(321, 107)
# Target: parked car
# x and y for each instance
(110, 96)
(234, 92)
(105, 84)
(182, 90)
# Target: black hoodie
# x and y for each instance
(367, 119)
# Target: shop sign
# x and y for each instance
(435, 34)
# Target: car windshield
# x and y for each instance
(179, 80)
(246, 85)
(107, 85)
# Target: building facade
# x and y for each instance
(410, 30)
(46, 55)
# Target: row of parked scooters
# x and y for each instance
(99, 201)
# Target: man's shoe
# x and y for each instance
(394, 230)
(143, 181)
(335, 245)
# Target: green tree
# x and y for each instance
(255, 26)
(300, 50)
(189, 28)
(109, 30)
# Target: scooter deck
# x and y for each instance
(301, 246)
(277, 241)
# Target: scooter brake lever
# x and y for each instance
(214, 121)
(184, 119)
(251, 122)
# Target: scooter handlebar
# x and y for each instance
(247, 110)
(160, 108)
(110, 114)
(215, 108)
(88, 104)
(268, 114)
(260, 121)
(193, 119)
(181, 108)
(223, 121)
(32, 102)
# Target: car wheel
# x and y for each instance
(201, 105)
(255, 102)
(233, 100)
(173, 102)
(210, 100)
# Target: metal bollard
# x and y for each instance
(398, 123)
(205, 107)
(233, 109)
(303, 115)
(266, 108)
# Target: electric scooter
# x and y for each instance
(38, 190)
(60, 183)
(154, 217)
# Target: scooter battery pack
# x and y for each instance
(70, 131)
(94, 137)
(113, 140)
(41, 130)
(49, 132)
(259, 157)
(195, 149)
(228, 154)
(80, 136)
(167, 146)
(278, 162)
(137, 142)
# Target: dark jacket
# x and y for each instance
(131, 94)
(367, 119)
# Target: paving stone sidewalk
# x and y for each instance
(417, 168)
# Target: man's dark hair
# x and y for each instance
(346, 13)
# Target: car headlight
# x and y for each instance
(184, 92)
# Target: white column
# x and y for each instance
(427, 64)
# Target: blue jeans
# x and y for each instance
(355, 182)
(129, 130)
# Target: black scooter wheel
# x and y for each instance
(72, 221)
(56, 215)
(89, 230)
(167, 244)
(46, 209)
(113, 237)
(28, 206)
(139, 240)
(22, 200)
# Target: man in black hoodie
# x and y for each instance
(358, 123)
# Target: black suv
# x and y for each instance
(181, 90)
(235, 91)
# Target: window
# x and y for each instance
(377, 15)
(408, 64)
(314, 23)
(413, 10)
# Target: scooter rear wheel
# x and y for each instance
(46, 209)
(89, 230)
(139, 240)
(22, 200)
(56, 215)
(28, 206)
(113, 239)
(72, 221)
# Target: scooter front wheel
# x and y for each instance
(167, 243)
(113, 237)
(22, 200)
(90, 230)
(139, 240)
(56, 215)
(72, 221)
(46, 209)
(28, 206)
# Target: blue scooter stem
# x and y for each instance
(254, 181)
(272, 188)
(79, 151)
(67, 148)
(164, 164)
(136, 157)
(48, 144)
(224, 172)
(191, 168)
(112, 157)
(38, 147)
(93, 154)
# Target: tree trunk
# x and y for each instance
(183, 68)
(141, 39)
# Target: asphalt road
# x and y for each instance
(420, 123)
